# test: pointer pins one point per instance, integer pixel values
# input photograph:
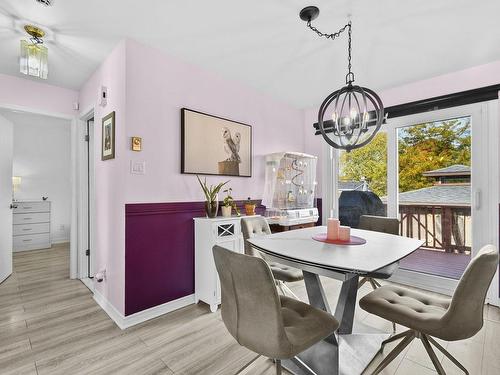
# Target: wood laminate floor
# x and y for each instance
(51, 325)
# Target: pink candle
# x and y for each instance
(344, 233)
(332, 229)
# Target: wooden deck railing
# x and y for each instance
(444, 228)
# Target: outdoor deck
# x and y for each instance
(435, 262)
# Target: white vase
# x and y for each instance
(226, 211)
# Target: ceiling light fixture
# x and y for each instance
(34, 55)
(350, 117)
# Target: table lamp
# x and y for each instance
(16, 183)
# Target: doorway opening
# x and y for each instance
(41, 192)
(87, 208)
(435, 172)
(434, 195)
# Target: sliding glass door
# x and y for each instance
(437, 179)
(435, 171)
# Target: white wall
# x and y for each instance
(42, 158)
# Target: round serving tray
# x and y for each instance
(321, 237)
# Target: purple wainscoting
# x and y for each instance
(159, 252)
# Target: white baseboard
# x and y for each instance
(124, 322)
(88, 283)
(57, 241)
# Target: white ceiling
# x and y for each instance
(263, 43)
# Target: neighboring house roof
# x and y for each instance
(453, 170)
(352, 185)
(438, 195)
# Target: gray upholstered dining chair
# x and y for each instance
(274, 326)
(258, 226)
(458, 318)
(385, 225)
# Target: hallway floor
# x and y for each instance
(51, 325)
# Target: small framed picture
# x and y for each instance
(136, 143)
(108, 137)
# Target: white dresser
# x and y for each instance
(31, 225)
(222, 231)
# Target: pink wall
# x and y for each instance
(158, 87)
(479, 76)
(110, 175)
(32, 95)
(147, 89)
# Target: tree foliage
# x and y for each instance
(368, 162)
(421, 148)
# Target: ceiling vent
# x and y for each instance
(45, 2)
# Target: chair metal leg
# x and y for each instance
(300, 364)
(394, 353)
(397, 337)
(377, 284)
(362, 281)
(393, 327)
(278, 366)
(432, 355)
(279, 286)
(372, 282)
(244, 370)
(447, 354)
(289, 291)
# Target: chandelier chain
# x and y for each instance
(350, 75)
(332, 36)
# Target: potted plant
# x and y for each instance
(228, 204)
(211, 194)
(249, 207)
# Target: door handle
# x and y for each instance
(477, 199)
(12, 206)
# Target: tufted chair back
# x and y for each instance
(253, 227)
(382, 224)
(251, 308)
(464, 317)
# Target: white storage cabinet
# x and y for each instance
(225, 232)
(31, 225)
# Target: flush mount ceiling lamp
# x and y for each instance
(350, 117)
(34, 55)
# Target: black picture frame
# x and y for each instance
(185, 169)
(108, 137)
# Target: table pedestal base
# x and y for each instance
(355, 352)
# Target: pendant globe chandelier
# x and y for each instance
(350, 117)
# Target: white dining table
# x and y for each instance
(344, 352)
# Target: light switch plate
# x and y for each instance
(137, 167)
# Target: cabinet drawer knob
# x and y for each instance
(29, 240)
(26, 229)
